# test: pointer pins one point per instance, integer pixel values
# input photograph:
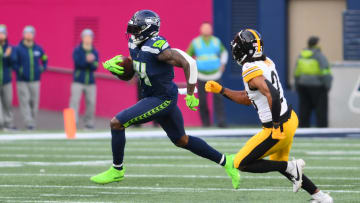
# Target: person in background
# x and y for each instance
(7, 61)
(211, 57)
(31, 63)
(313, 82)
(86, 61)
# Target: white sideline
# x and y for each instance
(108, 162)
(177, 176)
(166, 188)
(160, 133)
(67, 195)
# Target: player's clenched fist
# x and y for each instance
(112, 65)
(212, 86)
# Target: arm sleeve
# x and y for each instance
(17, 62)
(94, 65)
(323, 62)
(44, 59)
(326, 77)
(193, 66)
(276, 103)
(80, 61)
(224, 56)
(191, 50)
(10, 60)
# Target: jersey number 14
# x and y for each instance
(140, 68)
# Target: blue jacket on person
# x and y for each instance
(6, 63)
(84, 70)
(31, 62)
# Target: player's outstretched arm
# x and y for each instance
(239, 97)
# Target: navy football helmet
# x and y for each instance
(247, 46)
(143, 25)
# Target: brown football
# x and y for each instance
(128, 69)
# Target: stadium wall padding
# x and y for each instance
(56, 31)
(353, 4)
(231, 16)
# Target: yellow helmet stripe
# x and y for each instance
(257, 38)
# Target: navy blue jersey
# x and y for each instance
(156, 76)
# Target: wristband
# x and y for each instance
(222, 91)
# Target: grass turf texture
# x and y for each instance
(59, 171)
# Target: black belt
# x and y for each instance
(285, 117)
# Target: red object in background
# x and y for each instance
(58, 24)
(69, 123)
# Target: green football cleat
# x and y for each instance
(232, 172)
(109, 176)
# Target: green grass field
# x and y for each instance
(59, 171)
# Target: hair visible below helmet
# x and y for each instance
(247, 46)
(313, 41)
(143, 25)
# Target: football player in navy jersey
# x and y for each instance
(153, 61)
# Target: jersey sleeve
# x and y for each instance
(251, 71)
(156, 46)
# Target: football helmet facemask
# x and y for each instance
(143, 25)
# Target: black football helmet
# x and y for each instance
(143, 25)
(247, 46)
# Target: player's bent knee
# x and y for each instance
(116, 125)
(183, 141)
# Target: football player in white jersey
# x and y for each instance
(264, 91)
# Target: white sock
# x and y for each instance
(317, 195)
(222, 160)
(118, 166)
(290, 167)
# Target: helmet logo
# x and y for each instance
(152, 20)
(258, 50)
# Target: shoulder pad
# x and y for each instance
(251, 70)
(159, 43)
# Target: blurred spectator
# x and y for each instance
(211, 57)
(28, 72)
(313, 82)
(7, 61)
(86, 60)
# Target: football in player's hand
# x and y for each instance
(129, 72)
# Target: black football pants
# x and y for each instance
(313, 98)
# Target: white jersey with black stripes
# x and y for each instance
(267, 69)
